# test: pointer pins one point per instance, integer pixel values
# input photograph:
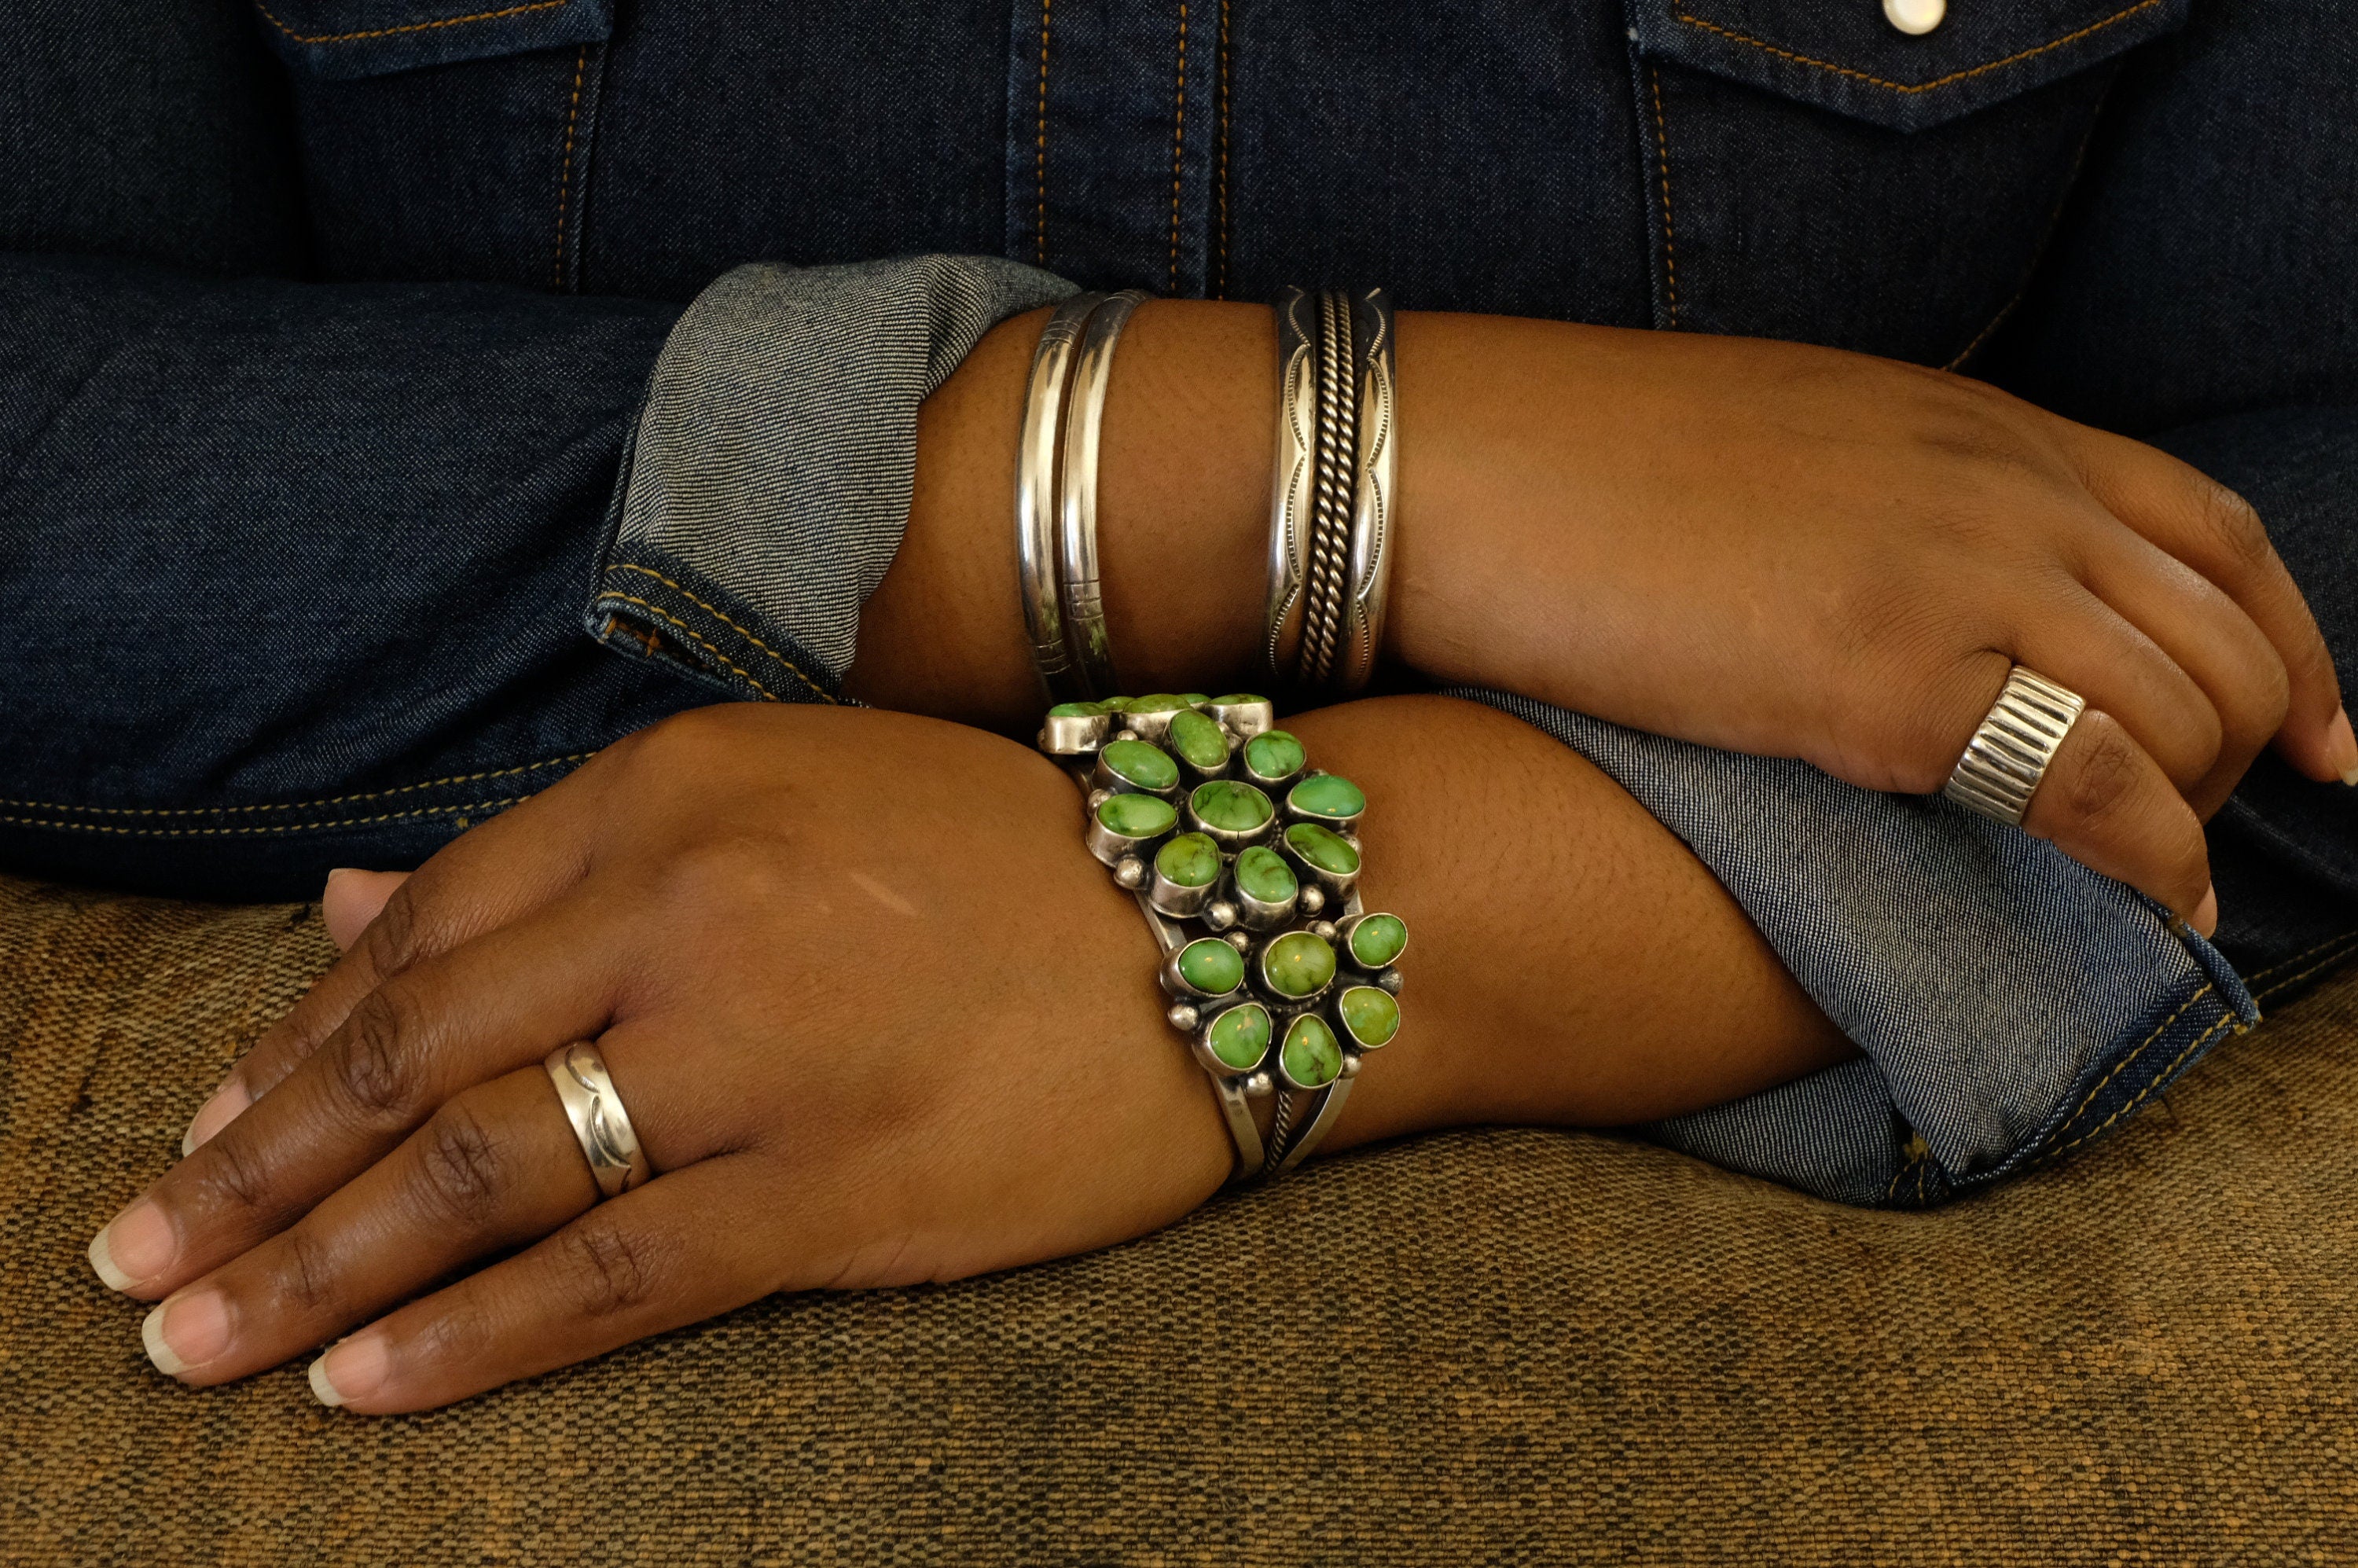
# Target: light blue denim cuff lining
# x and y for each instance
(2012, 1005)
(767, 487)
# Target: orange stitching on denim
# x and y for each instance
(1921, 86)
(2202, 991)
(1039, 150)
(1221, 291)
(565, 177)
(2330, 942)
(2046, 239)
(784, 663)
(2162, 1077)
(1669, 233)
(412, 28)
(1178, 142)
(295, 805)
(2330, 959)
(738, 670)
(257, 832)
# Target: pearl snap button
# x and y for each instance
(1914, 16)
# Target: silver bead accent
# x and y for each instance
(1184, 1018)
(1314, 898)
(1130, 873)
(1240, 940)
(1323, 929)
(1389, 980)
(1220, 915)
(1099, 797)
(1259, 1083)
(1126, 733)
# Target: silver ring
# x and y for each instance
(1039, 449)
(600, 1123)
(1087, 642)
(2010, 752)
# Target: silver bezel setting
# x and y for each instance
(1105, 776)
(1347, 826)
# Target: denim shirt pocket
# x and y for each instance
(1847, 58)
(1815, 173)
(344, 38)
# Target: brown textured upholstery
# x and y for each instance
(1495, 1347)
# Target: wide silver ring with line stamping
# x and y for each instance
(2010, 752)
(600, 1124)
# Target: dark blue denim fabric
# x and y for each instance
(297, 567)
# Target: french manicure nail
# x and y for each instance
(2206, 913)
(360, 1365)
(228, 1103)
(2342, 747)
(186, 1331)
(137, 1246)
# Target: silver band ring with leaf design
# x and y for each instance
(603, 1127)
(2010, 752)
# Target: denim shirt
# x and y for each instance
(440, 320)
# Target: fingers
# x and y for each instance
(2215, 532)
(351, 899)
(495, 873)
(495, 1168)
(2205, 634)
(501, 1003)
(2107, 804)
(689, 1244)
(2085, 644)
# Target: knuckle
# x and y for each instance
(377, 1057)
(607, 1269)
(236, 1175)
(397, 937)
(2104, 782)
(307, 1278)
(465, 1171)
(2233, 526)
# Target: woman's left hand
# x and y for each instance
(875, 1014)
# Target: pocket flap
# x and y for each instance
(1844, 55)
(375, 38)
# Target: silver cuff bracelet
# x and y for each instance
(1246, 862)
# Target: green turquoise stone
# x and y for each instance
(1235, 697)
(1263, 874)
(1377, 940)
(1312, 1056)
(1191, 860)
(1274, 754)
(1114, 704)
(1077, 710)
(1230, 807)
(1297, 964)
(1203, 743)
(1323, 848)
(1195, 698)
(1148, 767)
(1137, 815)
(1371, 1015)
(1328, 795)
(1161, 702)
(1241, 1036)
(1212, 965)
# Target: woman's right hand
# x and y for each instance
(1790, 550)
(1765, 547)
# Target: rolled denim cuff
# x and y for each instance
(767, 485)
(2011, 1005)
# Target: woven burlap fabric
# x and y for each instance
(1493, 1347)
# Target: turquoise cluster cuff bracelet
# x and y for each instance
(1246, 862)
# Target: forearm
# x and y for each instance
(1571, 962)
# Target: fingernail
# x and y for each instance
(2342, 747)
(2206, 913)
(137, 1246)
(359, 1368)
(186, 1331)
(228, 1103)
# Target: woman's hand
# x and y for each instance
(1765, 547)
(878, 1018)
(1790, 550)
